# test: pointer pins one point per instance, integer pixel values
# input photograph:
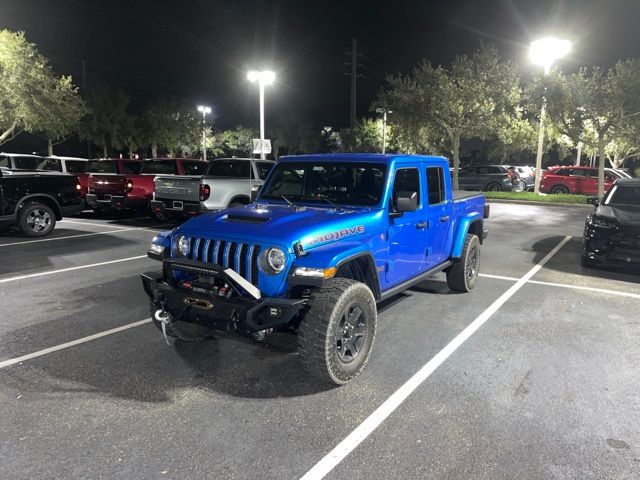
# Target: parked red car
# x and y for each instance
(132, 187)
(107, 166)
(575, 180)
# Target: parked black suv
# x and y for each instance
(34, 200)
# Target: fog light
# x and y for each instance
(156, 248)
(275, 312)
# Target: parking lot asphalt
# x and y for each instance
(546, 387)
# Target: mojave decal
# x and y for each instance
(335, 235)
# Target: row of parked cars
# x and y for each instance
(560, 179)
(162, 187)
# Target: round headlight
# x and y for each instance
(183, 246)
(274, 261)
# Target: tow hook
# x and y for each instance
(164, 318)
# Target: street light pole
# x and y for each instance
(204, 110)
(544, 52)
(265, 77)
(384, 112)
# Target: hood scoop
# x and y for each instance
(246, 219)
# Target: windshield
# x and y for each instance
(230, 168)
(340, 183)
(624, 195)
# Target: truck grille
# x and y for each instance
(241, 257)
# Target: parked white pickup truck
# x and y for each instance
(227, 183)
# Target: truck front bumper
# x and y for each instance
(238, 314)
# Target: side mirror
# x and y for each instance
(593, 200)
(255, 190)
(406, 202)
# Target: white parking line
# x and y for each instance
(362, 431)
(568, 285)
(91, 224)
(40, 353)
(106, 232)
(70, 269)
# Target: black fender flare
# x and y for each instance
(57, 210)
(371, 274)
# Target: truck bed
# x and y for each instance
(465, 195)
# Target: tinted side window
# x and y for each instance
(578, 173)
(263, 169)
(435, 185)
(407, 180)
(28, 163)
(484, 170)
(4, 162)
(50, 164)
(131, 168)
(166, 167)
(76, 166)
(194, 168)
(562, 172)
(230, 168)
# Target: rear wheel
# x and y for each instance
(336, 335)
(36, 219)
(462, 276)
(162, 216)
(559, 190)
(519, 186)
(493, 187)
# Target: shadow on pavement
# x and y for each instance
(126, 219)
(567, 260)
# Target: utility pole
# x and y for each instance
(354, 75)
(84, 92)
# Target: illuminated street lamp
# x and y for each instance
(543, 53)
(384, 112)
(264, 77)
(205, 111)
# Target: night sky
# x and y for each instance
(200, 50)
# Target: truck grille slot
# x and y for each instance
(242, 257)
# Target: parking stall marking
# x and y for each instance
(567, 285)
(70, 269)
(91, 224)
(373, 421)
(62, 346)
(106, 232)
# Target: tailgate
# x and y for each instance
(186, 189)
(107, 184)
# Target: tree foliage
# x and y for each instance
(597, 107)
(172, 126)
(477, 96)
(32, 98)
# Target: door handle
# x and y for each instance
(421, 225)
(444, 219)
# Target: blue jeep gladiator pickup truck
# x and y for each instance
(327, 237)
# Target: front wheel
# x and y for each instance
(462, 276)
(162, 216)
(336, 335)
(36, 220)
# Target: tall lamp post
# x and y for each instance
(264, 77)
(384, 112)
(543, 53)
(205, 111)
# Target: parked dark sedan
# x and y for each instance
(612, 231)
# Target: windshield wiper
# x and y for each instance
(328, 201)
(287, 200)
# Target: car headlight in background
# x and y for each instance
(273, 261)
(182, 246)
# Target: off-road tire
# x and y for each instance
(493, 187)
(559, 190)
(462, 276)
(185, 331)
(320, 330)
(26, 218)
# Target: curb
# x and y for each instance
(545, 204)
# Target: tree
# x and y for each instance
(32, 98)
(238, 141)
(597, 107)
(294, 135)
(475, 97)
(107, 124)
(172, 126)
(364, 136)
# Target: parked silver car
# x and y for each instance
(228, 182)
